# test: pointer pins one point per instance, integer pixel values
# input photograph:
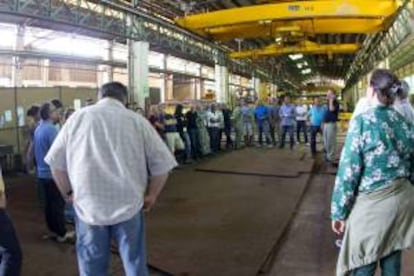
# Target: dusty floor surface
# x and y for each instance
(307, 247)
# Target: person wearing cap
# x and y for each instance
(10, 251)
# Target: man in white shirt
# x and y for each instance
(301, 113)
(10, 251)
(214, 122)
(111, 163)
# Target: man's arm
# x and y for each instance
(29, 157)
(155, 187)
(2, 192)
(332, 107)
(62, 182)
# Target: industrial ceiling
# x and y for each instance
(300, 39)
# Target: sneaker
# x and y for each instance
(307, 144)
(270, 146)
(49, 236)
(69, 236)
(338, 243)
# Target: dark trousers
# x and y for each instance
(301, 126)
(195, 142)
(10, 251)
(54, 207)
(227, 132)
(314, 131)
(287, 129)
(214, 139)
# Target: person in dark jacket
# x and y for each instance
(227, 124)
(192, 130)
(182, 130)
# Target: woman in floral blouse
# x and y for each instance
(373, 199)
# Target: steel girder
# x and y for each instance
(377, 47)
(113, 21)
(308, 26)
(305, 47)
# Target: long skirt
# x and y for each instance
(380, 223)
(204, 140)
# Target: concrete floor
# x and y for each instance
(305, 249)
(308, 248)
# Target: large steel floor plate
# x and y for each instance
(273, 162)
(220, 224)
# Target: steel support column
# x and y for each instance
(222, 83)
(138, 72)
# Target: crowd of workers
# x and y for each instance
(199, 131)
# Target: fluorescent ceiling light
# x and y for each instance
(306, 71)
(296, 57)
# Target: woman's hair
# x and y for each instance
(386, 85)
(69, 112)
(179, 109)
(33, 111)
(404, 91)
(45, 110)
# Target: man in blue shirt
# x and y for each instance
(330, 128)
(316, 114)
(287, 116)
(262, 119)
(44, 136)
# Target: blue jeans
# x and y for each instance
(286, 129)
(390, 266)
(93, 246)
(187, 143)
(10, 251)
(195, 142)
(314, 131)
(214, 139)
(69, 213)
(264, 127)
(301, 127)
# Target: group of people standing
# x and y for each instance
(199, 131)
(195, 133)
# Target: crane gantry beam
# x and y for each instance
(304, 47)
(309, 26)
(299, 10)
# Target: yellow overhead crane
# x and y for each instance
(367, 9)
(303, 47)
(298, 20)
